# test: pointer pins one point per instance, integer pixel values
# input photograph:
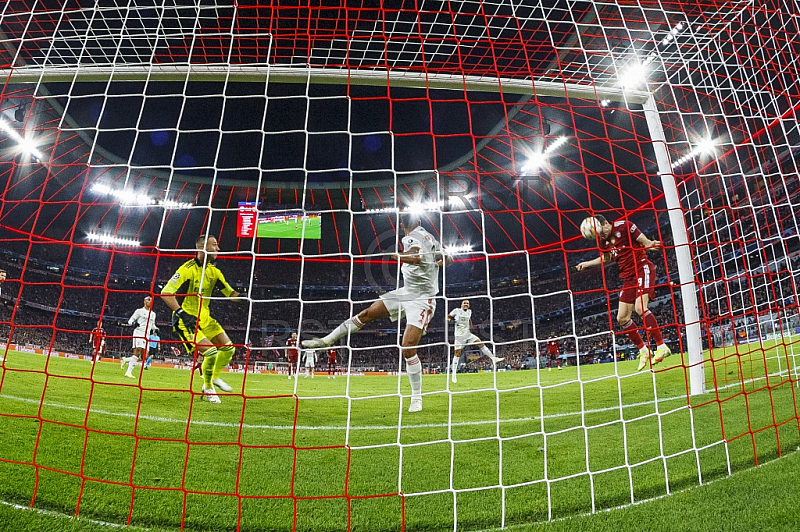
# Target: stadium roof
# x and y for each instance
(340, 147)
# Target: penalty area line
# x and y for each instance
(199, 422)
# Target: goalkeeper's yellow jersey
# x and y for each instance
(197, 297)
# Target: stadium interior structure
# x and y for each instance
(126, 132)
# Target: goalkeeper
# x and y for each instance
(191, 319)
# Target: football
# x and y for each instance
(589, 228)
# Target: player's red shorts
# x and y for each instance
(292, 357)
(634, 287)
(331, 361)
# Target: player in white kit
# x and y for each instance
(421, 259)
(310, 360)
(144, 320)
(464, 336)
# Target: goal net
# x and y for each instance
(300, 137)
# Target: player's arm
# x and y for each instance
(168, 295)
(409, 256)
(451, 315)
(647, 243)
(602, 259)
(134, 319)
(226, 289)
(173, 286)
(443, 259)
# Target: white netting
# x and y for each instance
(502, 126)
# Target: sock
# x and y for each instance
(630, 329)
(347, 326)
(224, 355)
(414, 369)
(131, 363)
(455, 364)
(485, 351)
(209, 359)
(651, 323)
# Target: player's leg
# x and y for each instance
(454, 365)
(486, 352)
(138, 354)
(196, 341)
(225, 352)
(624, 313)
(650, 321)
(375, 311)
(411, 339)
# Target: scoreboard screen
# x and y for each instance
(283, 224)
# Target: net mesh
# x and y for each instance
(126, 132)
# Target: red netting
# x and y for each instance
(510, 174)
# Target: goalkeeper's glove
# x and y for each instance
(240, 297)
(189, 321)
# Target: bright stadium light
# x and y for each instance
(124, 197)
(26, 146)
(377, 211)
(537, 160)
(457, 250)
(170, 204)
(634, 75)
(113, 240)
(704, 147)
(429, 206)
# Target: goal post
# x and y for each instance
(683, 250)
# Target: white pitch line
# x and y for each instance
(52, 513)
(334, 427)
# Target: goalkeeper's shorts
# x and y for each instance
(208, 329)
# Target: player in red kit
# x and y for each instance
(624, 243)
(291, 353)
(552, 350)
(332, 362)
(98, 340)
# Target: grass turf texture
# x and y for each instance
(143, 459)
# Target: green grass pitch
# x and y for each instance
(501, 449)
(311, 229)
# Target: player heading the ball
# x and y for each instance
(191, 319)
(420, 261)
(464, 336)
(623, 242)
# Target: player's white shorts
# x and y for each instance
(140, 343)
(417, 309)
(310, 362)
(461, 341)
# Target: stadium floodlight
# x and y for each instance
(26, 146)
(634, 75)
(537, 160)
(704, 147)
(113, 240)
(124, 197)
(457, 250)
(170, 204)
(419, 208)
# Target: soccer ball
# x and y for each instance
(590, 227)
